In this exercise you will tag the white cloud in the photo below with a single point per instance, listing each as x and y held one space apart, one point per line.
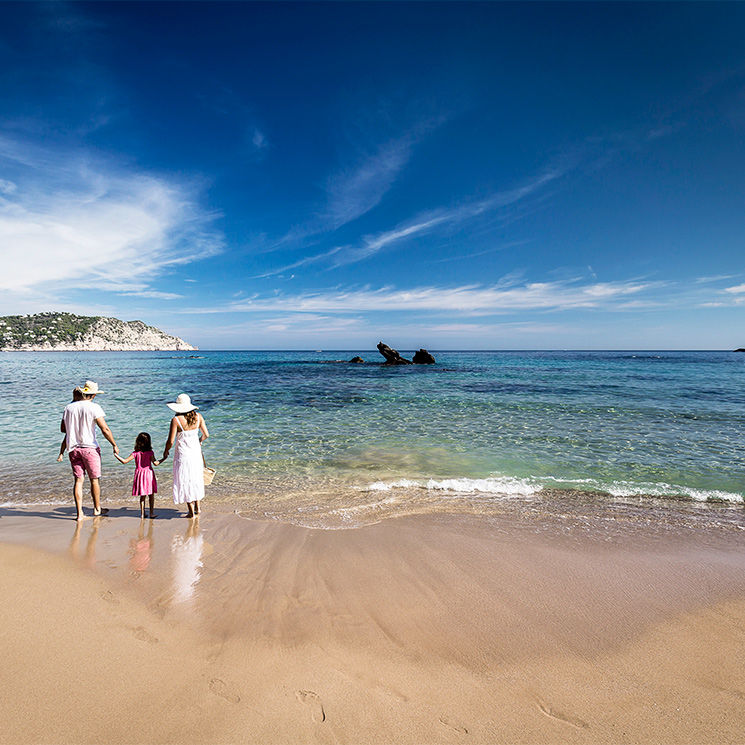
154 294
355 191
736 290
422 224
470 299
74 224
259 140
7 187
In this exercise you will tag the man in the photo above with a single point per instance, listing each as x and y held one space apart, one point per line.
79 425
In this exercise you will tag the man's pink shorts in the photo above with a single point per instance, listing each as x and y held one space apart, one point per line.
86 460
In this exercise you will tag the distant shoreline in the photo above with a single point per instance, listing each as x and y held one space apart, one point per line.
353 350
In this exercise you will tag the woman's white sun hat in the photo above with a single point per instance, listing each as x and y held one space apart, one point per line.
91 389
183 404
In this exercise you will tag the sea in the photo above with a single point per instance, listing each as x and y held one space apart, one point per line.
312 439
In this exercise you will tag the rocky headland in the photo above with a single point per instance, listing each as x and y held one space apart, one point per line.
67 332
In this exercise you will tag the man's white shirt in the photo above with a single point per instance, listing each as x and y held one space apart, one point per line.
80 424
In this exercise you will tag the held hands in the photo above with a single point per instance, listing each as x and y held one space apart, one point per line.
59 458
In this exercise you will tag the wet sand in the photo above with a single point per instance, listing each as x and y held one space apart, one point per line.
430 629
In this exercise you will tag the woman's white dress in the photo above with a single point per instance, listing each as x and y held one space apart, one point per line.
188 465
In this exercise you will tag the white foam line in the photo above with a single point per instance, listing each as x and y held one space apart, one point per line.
505 486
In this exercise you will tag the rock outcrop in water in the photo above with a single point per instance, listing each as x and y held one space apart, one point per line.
423 357
66 332
392 357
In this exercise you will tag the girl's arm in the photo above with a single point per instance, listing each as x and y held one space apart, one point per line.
154 460
171 438
203 427
122 460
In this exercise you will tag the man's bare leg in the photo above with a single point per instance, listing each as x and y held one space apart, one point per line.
96 494
77 493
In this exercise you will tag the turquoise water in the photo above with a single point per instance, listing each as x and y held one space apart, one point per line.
295 433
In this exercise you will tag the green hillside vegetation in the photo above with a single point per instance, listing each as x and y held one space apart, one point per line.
55 328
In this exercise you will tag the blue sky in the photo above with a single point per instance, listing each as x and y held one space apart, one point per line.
326 175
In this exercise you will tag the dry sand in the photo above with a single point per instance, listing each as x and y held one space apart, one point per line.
444 629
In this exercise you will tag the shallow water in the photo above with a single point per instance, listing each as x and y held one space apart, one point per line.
297 436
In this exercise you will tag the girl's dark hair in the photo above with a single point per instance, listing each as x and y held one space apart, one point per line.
143 443
191 417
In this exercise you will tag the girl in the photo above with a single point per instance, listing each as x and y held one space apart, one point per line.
144 484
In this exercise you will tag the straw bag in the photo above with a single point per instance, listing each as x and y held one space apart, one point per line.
209 474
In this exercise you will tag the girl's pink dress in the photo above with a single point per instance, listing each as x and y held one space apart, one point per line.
144 482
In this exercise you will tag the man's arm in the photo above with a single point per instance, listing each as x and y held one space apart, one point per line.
106 432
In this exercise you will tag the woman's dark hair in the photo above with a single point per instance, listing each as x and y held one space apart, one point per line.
191 418
143 443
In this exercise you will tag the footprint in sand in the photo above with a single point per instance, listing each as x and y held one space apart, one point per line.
109 597
223 690
140 633
561 717
313 701
454 724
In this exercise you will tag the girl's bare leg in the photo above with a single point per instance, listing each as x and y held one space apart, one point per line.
142 508
151 499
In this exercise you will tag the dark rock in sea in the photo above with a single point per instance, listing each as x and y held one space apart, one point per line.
357 359
423 357
392 357
740 350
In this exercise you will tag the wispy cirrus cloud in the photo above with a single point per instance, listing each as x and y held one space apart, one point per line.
73 222
356 190
423 224
506 297
428 222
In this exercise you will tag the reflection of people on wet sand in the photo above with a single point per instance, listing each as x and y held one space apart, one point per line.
141 549
79 423
187 562
89 557
188 431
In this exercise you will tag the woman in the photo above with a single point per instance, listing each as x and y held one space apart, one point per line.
188 431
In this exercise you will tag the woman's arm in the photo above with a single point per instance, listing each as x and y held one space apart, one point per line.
154 460
171 439
203 428
122 460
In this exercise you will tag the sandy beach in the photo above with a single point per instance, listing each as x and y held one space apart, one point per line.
436 629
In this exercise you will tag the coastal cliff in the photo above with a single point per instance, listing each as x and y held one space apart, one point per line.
66 332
